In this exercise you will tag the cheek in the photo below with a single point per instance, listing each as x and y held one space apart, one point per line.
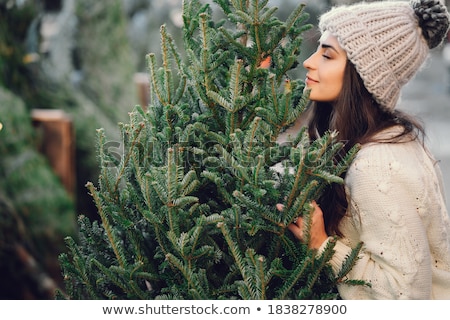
330 85
329 88
337 87
336 82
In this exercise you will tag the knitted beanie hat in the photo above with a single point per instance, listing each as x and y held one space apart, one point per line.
387 41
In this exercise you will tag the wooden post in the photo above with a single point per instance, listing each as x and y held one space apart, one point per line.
143 88
57 143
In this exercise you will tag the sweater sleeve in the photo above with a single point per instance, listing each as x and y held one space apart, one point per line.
386 188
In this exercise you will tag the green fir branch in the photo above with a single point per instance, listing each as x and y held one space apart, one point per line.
349 262
154 79
220 100
294 278
239 47
114 242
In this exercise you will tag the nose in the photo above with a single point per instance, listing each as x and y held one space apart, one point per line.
308 63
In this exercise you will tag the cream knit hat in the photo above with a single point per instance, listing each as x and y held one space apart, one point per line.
387 41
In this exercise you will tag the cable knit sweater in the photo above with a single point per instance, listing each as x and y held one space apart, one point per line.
397 209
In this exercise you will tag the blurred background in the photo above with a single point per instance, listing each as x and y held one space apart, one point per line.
69 67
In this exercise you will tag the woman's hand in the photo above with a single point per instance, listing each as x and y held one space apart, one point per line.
318 233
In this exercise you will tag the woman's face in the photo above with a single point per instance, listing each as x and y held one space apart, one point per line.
326 69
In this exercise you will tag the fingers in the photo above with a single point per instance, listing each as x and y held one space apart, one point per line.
297 228
314 204
317 212
318 233
279 207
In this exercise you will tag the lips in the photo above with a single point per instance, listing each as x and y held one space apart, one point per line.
310 80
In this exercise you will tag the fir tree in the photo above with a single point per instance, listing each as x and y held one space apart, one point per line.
188 206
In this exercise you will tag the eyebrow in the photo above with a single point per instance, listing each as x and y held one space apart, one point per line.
326 46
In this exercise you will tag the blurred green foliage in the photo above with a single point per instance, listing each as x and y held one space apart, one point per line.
35 210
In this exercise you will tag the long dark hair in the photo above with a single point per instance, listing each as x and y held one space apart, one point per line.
357 118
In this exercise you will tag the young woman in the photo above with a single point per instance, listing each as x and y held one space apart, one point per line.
392 199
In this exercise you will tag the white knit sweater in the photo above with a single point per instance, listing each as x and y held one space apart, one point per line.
397 209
